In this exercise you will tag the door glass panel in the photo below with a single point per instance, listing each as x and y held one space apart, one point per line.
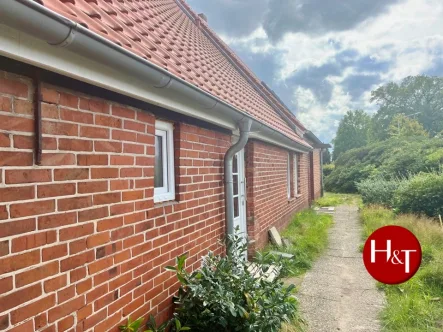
158 166
235 165
235 184
236 207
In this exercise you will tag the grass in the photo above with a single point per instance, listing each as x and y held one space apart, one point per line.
416 305
333 199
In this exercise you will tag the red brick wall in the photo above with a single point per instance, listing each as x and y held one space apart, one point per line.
317 173
267 199
82 245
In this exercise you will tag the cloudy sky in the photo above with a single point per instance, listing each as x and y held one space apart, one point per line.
323 57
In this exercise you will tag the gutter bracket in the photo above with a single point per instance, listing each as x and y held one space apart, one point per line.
69 38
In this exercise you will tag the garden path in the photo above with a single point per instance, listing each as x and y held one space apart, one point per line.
338 294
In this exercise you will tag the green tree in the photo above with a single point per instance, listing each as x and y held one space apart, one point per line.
402 126
419 95
326 157
352 132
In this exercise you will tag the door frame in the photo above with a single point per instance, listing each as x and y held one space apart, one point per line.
240 220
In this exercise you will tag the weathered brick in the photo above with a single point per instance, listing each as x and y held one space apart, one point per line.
20 261
74 203
56 283
98 239
17 227
59 128
108 224
75 261
92 214
5 285
57 220
94 132
94 105
123 112
13 158
5 141
65 324
39 273
32 309
70 174
108 121
76 231
104 173
5 104
108 198
14 87
75 144
65 294
53 190
65 309
57 159
54 252
32 208
27 176
31 241
92 159
23 107
76 116
69 100
92 187
4 248
77 246
19 297
107 146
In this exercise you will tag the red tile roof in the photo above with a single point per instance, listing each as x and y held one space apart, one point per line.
169 34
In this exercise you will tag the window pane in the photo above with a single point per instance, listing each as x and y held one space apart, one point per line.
234 166
236 209
235 184
158 166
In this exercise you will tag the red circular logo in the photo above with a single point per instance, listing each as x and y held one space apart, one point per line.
392 255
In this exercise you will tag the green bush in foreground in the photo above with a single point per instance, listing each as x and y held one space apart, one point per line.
226 294
378 191
421 194
416 305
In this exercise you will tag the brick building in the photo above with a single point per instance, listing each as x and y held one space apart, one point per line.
116 118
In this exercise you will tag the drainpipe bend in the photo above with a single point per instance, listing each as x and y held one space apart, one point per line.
245 127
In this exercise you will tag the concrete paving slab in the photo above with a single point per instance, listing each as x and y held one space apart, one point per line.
338 294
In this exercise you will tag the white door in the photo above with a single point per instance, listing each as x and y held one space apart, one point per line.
238 169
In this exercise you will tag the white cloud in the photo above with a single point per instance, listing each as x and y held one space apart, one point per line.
405 40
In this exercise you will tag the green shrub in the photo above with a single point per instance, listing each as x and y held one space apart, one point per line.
378 191
421 194
226 295
327 169
389 159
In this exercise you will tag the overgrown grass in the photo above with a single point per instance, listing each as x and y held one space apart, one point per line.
416 305
308 233
333 199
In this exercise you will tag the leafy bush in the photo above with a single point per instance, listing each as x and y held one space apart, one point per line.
227 294
378 191
421 194
327 169
134 326
390 159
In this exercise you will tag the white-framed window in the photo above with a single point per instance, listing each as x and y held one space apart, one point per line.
295 168
164 184
289 177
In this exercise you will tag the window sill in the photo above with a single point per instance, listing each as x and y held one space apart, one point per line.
294 198
165 203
